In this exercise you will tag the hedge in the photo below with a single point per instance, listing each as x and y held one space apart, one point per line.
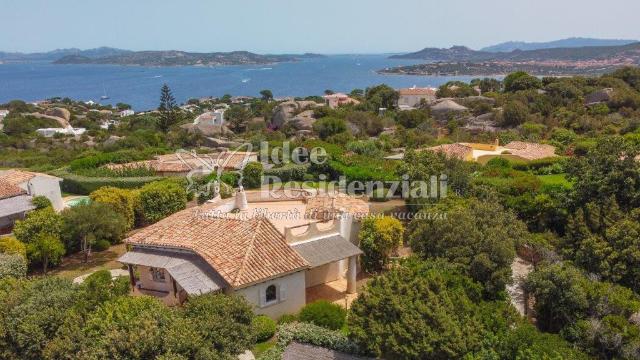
84 185
289 172
118 157
537 164
161 199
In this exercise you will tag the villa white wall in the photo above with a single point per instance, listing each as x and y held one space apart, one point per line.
292 289
147 282
325 273
46 186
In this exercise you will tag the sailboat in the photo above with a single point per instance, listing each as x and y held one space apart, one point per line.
105 96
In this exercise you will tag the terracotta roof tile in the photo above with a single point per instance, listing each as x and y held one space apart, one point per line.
186 162
242 251
16 177
531 151
8 190
456 150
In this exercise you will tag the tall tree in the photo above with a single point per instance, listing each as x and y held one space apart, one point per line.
479 236
238 117
266 95
167 108
46 249
86 224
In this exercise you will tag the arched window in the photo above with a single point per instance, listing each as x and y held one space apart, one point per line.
271 294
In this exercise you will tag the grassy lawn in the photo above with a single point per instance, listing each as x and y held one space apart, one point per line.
556 179
73 266
260 348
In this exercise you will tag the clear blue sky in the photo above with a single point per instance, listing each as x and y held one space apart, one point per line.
325 26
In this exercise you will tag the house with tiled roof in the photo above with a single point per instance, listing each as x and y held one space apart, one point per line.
413 97
14 204
266 248
35 184
339 99
516 150
181 163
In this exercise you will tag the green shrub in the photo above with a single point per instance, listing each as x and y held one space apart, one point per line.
11 245
12 265
499 162
329 126
289 172
379 239
40 202
325 314
101 245
122 201
252 175
161 199
230 178
264 327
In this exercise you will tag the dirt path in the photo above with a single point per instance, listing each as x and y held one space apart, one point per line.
520 269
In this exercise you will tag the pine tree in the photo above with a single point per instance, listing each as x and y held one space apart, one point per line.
167 108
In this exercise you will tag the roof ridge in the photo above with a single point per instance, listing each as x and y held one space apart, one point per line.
248 253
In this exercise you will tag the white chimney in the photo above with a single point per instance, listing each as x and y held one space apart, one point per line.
241 199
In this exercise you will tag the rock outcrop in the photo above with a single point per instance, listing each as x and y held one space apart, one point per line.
59 112
303 121
286 111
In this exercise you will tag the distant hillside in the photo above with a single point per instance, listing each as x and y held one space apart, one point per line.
455 53
59 53
564 43
463 54
182 58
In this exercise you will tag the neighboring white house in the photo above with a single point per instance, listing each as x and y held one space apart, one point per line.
269 249
126 112
14 204
215 117
36 184
413 97
50 132
106 124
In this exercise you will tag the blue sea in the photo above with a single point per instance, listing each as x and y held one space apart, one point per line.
140 86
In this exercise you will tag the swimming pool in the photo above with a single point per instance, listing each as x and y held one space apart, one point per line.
79 200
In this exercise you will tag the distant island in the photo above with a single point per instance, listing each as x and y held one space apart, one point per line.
113 56
460 60
182 58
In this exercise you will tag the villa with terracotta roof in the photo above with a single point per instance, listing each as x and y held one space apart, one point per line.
517 150
339 99
35 184
410 98
180 164
268 247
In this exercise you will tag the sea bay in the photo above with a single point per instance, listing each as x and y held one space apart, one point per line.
140 86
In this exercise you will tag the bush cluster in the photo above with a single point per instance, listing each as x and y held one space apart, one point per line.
325 314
